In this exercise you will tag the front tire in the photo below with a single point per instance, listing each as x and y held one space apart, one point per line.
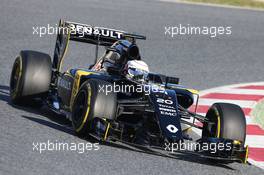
91 103
227 121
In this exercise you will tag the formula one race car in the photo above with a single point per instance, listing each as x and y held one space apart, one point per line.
118 99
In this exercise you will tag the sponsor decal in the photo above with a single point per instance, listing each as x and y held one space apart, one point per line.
165 108
172 128
64 84
83 30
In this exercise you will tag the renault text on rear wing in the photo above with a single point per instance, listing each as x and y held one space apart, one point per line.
97 35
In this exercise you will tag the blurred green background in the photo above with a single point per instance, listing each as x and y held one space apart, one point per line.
242 3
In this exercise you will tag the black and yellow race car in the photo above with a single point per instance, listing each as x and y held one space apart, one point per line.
154 114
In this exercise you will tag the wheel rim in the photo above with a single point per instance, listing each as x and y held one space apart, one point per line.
79 107
15 77
214 127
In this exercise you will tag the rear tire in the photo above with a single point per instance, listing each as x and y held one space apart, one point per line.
92 103
30 77
228 122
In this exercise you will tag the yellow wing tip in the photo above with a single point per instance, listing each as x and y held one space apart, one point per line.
194 91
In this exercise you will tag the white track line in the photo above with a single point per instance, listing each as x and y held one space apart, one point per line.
241 103
241 91
256 163
256 141
207 91
248 119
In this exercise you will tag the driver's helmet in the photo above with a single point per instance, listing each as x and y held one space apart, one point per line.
136 70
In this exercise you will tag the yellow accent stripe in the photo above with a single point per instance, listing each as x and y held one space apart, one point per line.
65 50
194 91
76 84
87 111
246 156
106 132
218 127
187 129
69 75
20 72
236 142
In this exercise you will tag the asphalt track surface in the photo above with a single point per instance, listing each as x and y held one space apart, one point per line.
200 62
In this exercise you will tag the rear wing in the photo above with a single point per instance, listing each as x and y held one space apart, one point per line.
99 36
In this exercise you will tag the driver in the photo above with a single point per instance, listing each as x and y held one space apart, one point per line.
136 70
